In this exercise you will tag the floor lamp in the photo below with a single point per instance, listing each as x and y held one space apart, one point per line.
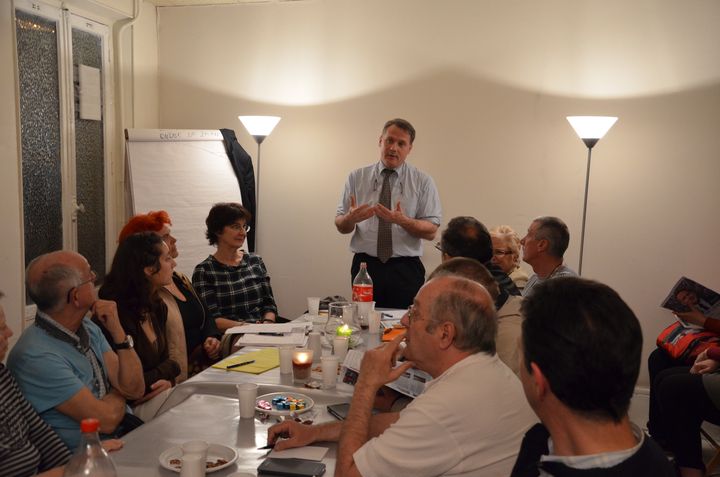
590 129
259 128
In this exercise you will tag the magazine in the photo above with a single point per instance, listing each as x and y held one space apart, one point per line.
688 293
411 383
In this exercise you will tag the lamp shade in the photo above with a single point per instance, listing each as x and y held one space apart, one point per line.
591 127
259 125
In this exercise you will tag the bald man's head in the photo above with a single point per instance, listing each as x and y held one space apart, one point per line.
466 304
50 277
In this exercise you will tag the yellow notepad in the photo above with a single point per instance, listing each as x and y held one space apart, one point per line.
264 360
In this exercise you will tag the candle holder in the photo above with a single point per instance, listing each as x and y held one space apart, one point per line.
301 364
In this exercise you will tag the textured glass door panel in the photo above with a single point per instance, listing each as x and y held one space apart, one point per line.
87 50
40 133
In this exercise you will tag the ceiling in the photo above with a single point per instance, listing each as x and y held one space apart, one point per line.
180 3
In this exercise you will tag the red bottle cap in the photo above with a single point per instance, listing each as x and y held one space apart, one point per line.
89 425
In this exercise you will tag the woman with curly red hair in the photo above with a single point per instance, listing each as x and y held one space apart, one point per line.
192 335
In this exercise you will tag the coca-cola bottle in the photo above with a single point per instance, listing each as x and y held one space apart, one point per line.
363 296
90 458
362 285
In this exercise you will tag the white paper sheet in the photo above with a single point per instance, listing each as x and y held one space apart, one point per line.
90 93
296 339
307 452
269 328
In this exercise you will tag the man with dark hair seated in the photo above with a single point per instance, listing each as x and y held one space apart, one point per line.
468 238
581 348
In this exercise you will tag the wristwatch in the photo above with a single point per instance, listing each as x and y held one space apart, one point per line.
127 344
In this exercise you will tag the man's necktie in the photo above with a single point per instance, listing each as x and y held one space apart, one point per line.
384 240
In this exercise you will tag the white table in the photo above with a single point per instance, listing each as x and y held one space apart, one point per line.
206 407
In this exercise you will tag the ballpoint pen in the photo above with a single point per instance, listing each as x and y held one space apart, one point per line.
240 364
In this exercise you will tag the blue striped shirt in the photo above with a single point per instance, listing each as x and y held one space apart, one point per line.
418 197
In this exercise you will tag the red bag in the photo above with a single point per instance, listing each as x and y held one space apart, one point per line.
685 344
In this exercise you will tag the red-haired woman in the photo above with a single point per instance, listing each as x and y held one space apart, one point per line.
193 338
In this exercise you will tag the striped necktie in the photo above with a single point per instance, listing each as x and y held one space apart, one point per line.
384 240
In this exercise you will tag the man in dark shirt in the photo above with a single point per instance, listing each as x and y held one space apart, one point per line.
581 348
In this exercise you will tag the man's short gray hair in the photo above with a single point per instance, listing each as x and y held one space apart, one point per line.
49 291
475 321
555 232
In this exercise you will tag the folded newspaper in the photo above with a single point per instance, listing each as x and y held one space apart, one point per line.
411 383
688 293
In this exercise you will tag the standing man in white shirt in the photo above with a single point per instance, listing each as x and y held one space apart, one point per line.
390 207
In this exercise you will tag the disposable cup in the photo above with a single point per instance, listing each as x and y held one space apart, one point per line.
247 394
364 309
374 323
193 465
195 447
340 347
329 371
286 353
315 344
313 304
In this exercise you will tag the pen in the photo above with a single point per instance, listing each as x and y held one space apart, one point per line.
271 334
283 435
240 364
386 314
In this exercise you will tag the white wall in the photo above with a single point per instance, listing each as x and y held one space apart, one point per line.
487 85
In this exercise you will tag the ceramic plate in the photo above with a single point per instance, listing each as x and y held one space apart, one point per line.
276 412
215 452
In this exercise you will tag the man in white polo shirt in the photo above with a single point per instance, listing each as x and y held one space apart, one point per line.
471 417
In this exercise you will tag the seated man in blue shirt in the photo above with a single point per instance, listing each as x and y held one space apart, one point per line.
63 363
581 347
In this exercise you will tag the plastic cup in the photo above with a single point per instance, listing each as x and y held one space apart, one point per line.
340 347
315 344
193 465
195 447
247 394
313 304
374 322
364 309
329 371
286 353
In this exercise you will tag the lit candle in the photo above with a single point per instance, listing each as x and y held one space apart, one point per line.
302 361
343 330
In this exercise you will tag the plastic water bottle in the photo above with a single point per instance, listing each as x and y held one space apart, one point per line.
362 285
90 459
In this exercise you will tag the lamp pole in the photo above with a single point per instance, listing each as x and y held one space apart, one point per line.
590 129
589 145
259 128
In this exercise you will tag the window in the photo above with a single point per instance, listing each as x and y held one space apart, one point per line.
64 85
